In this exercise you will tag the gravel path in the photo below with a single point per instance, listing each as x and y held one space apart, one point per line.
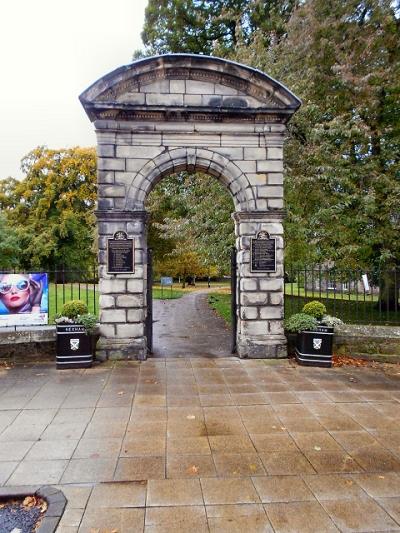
17 518
188 326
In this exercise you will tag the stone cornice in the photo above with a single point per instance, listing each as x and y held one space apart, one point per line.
127 112
264 216
119 216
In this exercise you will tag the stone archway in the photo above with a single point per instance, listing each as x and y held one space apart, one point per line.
168 113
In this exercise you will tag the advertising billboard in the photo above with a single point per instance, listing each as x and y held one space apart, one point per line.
24 299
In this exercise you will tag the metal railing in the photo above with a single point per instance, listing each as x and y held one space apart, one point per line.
355 296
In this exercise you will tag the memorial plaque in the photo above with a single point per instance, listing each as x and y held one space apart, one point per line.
120 254
263 253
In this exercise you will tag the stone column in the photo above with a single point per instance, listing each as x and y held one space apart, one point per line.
122 298
261 294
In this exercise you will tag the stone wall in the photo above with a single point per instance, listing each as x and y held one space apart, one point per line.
377 343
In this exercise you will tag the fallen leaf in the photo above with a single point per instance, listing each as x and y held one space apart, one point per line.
43 506
29 501
193 469
253 467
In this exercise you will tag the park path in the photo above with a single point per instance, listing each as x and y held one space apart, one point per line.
187 326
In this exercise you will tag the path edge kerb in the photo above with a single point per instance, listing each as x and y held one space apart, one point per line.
55 499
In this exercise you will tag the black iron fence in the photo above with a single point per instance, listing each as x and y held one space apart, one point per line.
363 297
357 297
64 284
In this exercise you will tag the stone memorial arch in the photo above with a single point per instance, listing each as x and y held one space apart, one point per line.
164 114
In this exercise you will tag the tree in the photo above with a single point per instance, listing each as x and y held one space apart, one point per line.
212 27
9 246
182 263
52 208
342 156
192 212
343 172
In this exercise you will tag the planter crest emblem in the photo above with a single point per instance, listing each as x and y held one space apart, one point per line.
317 343
74 344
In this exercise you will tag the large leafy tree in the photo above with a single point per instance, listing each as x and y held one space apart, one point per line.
342 155
343 172
212 26
9 245
51 209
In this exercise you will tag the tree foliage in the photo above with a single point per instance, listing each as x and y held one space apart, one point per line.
191 214
212 27
342 183
9 245
51 209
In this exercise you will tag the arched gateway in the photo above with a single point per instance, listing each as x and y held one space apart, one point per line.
178 112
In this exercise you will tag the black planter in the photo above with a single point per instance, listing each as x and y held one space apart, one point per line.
74 347
314 348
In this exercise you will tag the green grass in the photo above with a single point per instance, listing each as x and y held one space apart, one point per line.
60 294
293 289
350 311
221 303
166 293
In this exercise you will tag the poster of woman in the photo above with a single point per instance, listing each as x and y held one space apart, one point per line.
24 299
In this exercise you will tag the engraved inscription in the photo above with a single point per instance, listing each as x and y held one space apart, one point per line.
263 254
120 254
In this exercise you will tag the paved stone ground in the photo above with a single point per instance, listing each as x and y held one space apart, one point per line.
200 444
189 321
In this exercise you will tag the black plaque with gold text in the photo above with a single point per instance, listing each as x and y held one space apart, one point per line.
120 254
263 253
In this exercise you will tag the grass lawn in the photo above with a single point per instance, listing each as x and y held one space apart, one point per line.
353 311
167 293
293 289
59 294
221 303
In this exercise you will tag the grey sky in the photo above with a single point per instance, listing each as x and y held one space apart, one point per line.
50 51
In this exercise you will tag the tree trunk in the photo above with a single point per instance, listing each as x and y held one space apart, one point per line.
389 291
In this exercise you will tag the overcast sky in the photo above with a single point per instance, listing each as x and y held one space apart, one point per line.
51 51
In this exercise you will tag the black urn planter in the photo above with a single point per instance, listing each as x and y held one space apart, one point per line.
314 348
75 347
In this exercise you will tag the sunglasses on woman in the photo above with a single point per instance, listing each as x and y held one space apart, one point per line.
20 285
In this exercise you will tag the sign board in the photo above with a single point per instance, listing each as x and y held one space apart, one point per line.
24 299
365 281
263 253
166 281
120 254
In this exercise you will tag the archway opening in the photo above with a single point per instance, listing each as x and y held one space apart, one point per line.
191 235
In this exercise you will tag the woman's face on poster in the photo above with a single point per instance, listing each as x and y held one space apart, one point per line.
14 291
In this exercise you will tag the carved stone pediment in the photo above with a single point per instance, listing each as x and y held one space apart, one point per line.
177 85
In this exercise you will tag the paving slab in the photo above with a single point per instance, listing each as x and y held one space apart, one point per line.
207 444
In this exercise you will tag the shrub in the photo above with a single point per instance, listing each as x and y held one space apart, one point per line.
300 322
331 321
74 308
89 321
315 309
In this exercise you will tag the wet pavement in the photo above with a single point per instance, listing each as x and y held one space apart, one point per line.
188 327
221 445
